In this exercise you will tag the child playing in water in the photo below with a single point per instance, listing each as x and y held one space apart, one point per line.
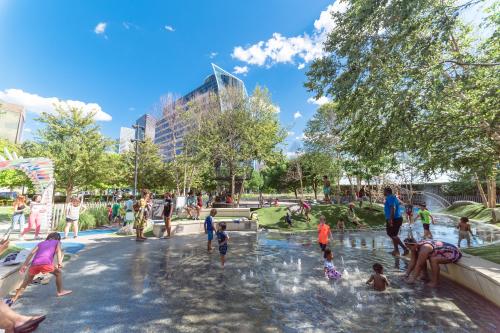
464 231
425 215
340 225
288 218
323 233
222 237
305 209
209 228
43 262
379 280
330 272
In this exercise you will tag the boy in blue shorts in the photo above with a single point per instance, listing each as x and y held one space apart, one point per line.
210 228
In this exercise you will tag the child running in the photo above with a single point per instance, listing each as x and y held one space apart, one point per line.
379 280
209 228
43 262
464 230
330 272
222 237
72 216
37 208
323 233
425 215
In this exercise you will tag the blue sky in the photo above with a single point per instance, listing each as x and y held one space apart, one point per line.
144 49
120 56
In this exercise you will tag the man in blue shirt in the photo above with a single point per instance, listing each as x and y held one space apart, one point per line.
209 228
394 220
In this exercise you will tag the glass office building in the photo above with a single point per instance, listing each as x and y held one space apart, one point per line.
11 122
170 131
126 135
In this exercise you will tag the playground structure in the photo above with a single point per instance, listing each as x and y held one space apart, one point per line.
41 173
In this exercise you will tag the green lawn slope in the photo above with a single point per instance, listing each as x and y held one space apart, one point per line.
490 252
472 211
274 217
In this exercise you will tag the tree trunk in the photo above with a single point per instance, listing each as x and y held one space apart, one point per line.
241 191
233 183
481 191
358 183
338 190
295 190
299 171
69 190
185 181
492 191
353 192
315 189
369 192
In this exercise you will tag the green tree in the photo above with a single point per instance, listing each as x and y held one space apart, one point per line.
13 178
407 77
73 140
256 181
314 166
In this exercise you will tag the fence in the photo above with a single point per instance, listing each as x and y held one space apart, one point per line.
59 211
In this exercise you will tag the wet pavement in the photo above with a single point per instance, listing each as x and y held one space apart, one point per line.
272 283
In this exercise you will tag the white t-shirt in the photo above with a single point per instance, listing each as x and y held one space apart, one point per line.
73 212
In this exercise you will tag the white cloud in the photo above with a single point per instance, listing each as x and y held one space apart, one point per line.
100 28
38 104
212 55
320 101
297 115
169 28
290 133
291 154
277 108
130 25
131 108
240 70
282 49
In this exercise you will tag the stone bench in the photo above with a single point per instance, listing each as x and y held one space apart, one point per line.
187 227
221 212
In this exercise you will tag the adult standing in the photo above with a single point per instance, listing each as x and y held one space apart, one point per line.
18 215
394 220
143 209
129 210
327 190
168 209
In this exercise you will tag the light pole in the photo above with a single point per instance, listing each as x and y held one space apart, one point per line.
136 142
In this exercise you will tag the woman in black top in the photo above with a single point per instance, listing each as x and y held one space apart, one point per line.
168 209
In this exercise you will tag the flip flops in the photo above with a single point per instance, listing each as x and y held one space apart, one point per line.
30 325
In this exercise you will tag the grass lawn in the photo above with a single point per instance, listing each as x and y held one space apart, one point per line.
5 213
472 211
274 217
10 249
490 252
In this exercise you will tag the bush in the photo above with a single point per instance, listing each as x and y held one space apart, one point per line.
89 219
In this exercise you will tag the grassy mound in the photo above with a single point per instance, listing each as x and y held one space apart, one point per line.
490 252
472 211
274 217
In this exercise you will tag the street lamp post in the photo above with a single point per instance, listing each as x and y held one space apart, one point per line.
136 141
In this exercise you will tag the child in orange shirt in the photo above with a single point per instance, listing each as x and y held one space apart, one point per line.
323 233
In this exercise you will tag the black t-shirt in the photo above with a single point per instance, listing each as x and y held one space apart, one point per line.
167 206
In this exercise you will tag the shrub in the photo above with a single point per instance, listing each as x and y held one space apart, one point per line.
89 219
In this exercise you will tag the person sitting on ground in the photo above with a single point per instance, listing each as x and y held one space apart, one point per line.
351 216
425 215
229 199
437 252
191 207
340 225
330 272
378 278
276 202
464 230
43 262
209 226
305 209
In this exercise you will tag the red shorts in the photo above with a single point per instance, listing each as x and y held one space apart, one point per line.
44 269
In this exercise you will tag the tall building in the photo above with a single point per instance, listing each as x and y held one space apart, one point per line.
169 132
126 135
11 122
148 122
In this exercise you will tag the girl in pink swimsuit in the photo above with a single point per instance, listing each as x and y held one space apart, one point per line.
305 209
43 262
35 219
